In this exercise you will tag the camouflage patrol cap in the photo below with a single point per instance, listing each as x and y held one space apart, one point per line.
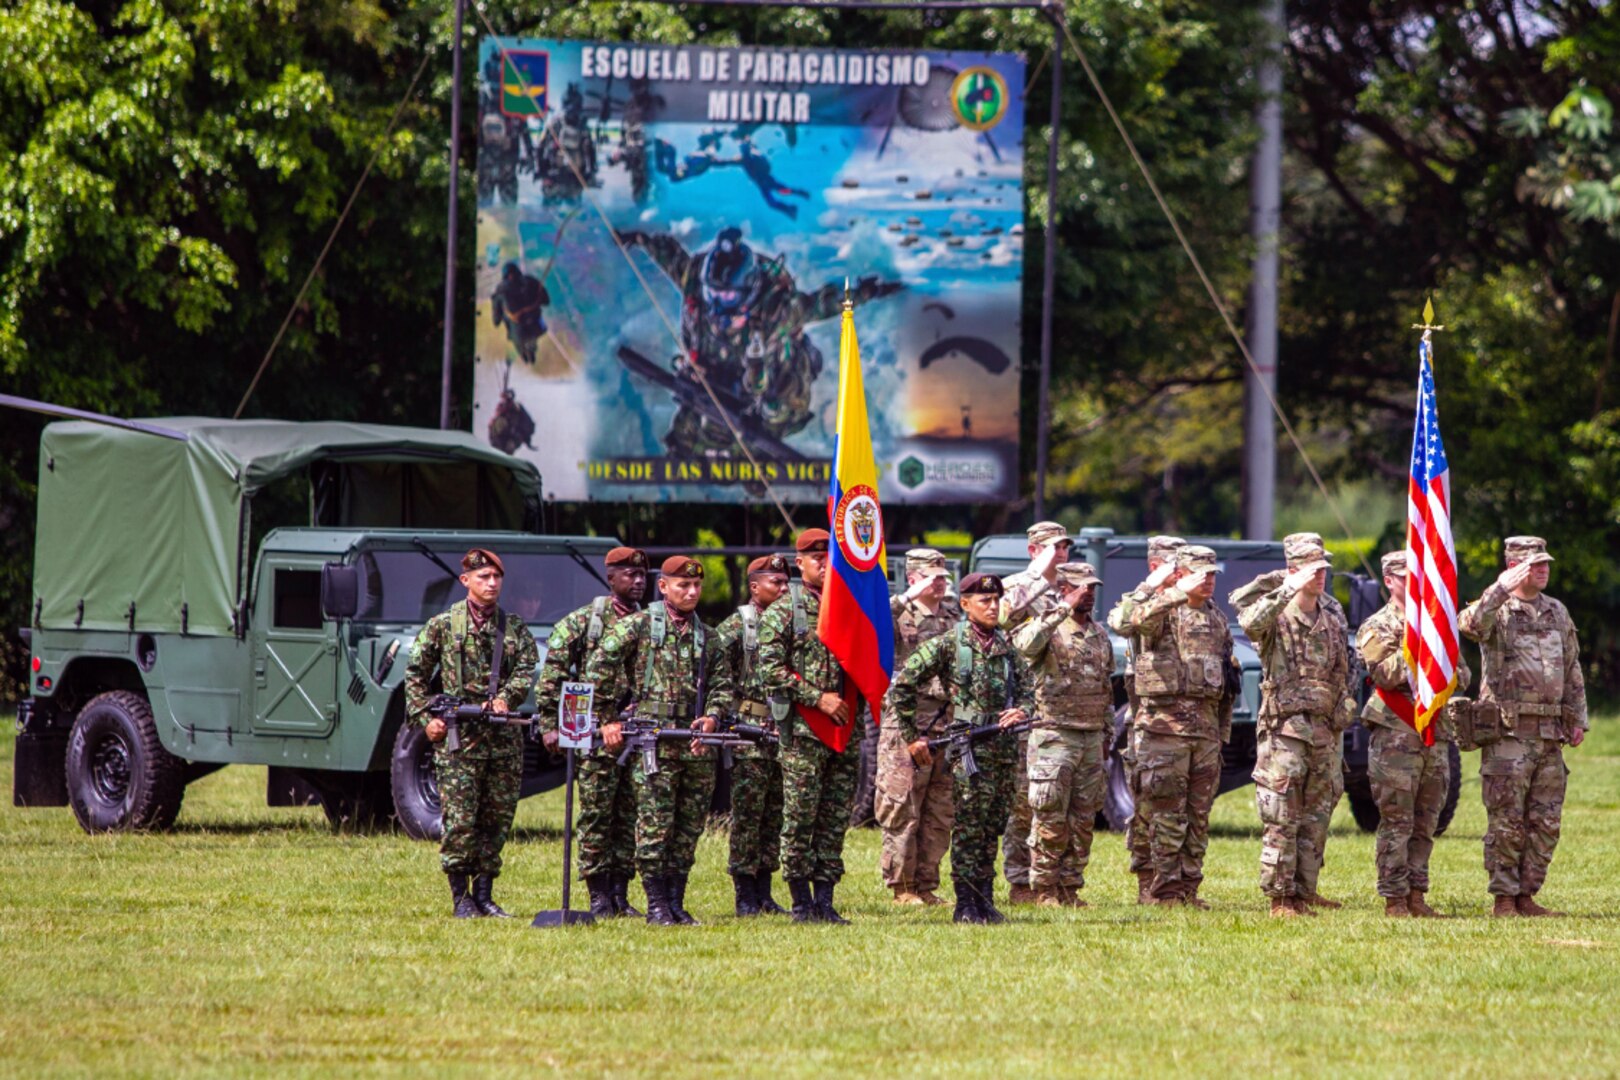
681 566
1078 574
1301 549
926 562
628 557
1197 559
1047 532
1394 564
1164 547
812 540
767 564
1517 549
479 558
981 585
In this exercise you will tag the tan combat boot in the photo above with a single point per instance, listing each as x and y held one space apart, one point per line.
1282 907
1527 906
905 895
1070 896
1189 897
1020 894
1421 908
1321 901
1301 907
1048 896
1144 886
930 898
1505 907
1398 907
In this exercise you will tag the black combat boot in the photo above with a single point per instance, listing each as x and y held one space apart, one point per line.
986 889
658 913
967 903
824 904
601 890
804 905
465 907
482 885
762 893
677 900
747 897
621 897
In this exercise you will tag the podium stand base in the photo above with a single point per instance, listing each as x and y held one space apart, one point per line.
563 918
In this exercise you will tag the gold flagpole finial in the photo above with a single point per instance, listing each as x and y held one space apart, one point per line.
1427 325
849 305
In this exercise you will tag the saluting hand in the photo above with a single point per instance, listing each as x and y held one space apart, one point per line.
1515 575
1159 577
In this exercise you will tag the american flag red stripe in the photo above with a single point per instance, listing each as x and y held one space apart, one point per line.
1430 642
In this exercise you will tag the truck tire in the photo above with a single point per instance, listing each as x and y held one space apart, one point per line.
1358 789
416 794
1118 802
361 803
1448 809
119 777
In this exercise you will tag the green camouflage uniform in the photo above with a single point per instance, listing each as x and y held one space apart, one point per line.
661 679
1532 671
1305 706
1184 716
605 827
756 771
1073 662
1027 596
1409 779
982 804
915 806
818 783
478 784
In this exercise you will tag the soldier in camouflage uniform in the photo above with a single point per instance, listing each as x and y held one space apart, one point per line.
672 669
756 772
1184 647
1073 662
987 682
1161 564
1305 705
914 805
818 782
1532 674
1409 778
478 784
606 826
1029 593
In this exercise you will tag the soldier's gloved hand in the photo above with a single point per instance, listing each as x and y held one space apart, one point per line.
1157 579
921 756
1012 717
434 730
613 735
835 707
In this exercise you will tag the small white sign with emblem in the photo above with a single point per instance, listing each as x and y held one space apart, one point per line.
576 715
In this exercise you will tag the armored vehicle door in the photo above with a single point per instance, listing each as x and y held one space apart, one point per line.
294 653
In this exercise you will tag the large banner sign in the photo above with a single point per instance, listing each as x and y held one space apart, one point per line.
744 186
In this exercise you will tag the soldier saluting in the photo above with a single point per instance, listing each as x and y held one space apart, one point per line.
669 665
987 682
756 772
1531 658
481 656
606 824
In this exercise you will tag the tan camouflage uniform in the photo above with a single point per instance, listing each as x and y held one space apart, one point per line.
1532 671
1073 662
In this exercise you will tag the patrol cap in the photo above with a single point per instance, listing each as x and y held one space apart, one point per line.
634 558
1394 564
1047 532
767 564
927 562
1196 559
1078 574
1301 549
479 558
1164 547
681 566
811 540
1519 549
980 585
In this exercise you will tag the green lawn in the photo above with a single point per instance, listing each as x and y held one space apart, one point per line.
252 939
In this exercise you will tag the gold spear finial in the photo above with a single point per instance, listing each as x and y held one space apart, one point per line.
849 305
1427 325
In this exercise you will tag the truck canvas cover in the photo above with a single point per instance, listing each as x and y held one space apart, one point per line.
159 518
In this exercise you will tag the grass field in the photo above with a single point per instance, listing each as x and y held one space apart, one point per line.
254 940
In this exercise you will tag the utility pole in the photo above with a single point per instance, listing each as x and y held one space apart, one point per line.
450 237
1265 193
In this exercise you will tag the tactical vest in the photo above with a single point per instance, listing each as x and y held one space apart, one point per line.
657 631
1307 687
458 635
1192 666
962 681
1521 645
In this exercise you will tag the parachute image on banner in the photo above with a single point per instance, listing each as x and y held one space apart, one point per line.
743 187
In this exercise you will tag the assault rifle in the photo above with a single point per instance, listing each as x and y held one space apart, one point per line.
958 740
453 711
642 735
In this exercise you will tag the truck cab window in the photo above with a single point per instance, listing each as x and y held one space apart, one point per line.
298 600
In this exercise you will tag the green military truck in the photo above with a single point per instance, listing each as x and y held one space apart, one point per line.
175 630
1121 561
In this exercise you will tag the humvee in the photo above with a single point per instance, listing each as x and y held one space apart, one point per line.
168 638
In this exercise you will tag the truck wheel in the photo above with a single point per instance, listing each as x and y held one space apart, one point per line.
363 803
119 777
416 794
1363 807
1118 802
1449 808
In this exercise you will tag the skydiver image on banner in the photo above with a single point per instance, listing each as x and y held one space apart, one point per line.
657 299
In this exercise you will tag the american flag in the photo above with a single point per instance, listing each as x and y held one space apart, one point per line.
1430 643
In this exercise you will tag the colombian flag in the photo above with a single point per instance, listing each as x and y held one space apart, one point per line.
855 623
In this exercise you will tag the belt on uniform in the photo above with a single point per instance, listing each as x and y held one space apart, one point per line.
1532 709
757 709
